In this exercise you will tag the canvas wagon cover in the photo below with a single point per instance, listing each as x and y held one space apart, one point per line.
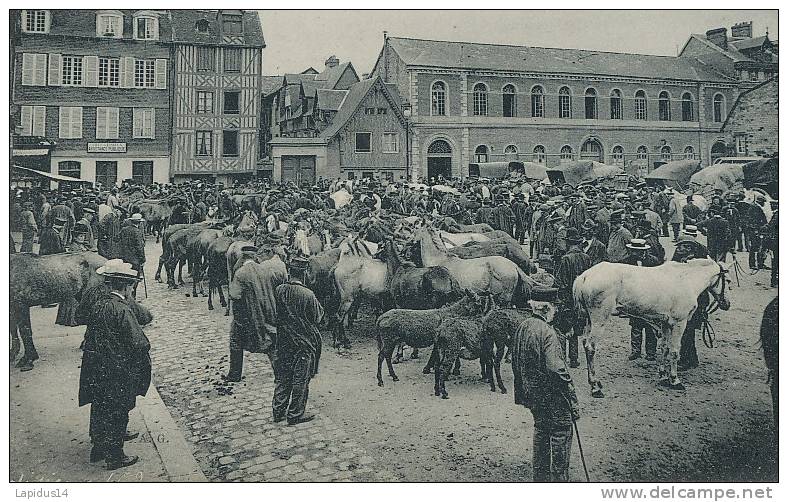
762 173
719 176
675 174
577 172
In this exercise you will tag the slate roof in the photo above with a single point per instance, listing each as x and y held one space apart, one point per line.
749 43
184 27
329 77
477 56
355 95
330 99
271 84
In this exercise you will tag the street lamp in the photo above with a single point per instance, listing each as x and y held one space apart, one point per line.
406 112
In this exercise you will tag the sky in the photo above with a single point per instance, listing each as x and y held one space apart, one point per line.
296 40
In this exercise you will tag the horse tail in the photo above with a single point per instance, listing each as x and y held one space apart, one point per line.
522 292
580 299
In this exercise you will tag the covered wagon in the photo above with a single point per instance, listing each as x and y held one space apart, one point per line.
724 177
675 174
494 170
762 174
583 171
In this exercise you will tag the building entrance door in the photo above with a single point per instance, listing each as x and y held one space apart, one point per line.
299 169
439 159
592 150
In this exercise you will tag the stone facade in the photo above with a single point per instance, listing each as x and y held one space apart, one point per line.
753 125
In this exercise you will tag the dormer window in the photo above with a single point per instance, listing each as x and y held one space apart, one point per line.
232 24
109 24
35 21
146 26
202 26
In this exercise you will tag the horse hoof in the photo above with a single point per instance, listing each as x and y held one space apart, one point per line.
394 379
396 360
597 393
677 386
426 371
503 391
444 396
380 384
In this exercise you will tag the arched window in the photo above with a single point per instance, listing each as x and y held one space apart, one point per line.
617 155
510 150
439 147
70 168
615 105
109 24
719 107
509 101
566 153
539 156
480 155
146 26
591 108
665 153
687 113
640 106
564 103
537 101
480 100
664 105
642 153
689 153
438 98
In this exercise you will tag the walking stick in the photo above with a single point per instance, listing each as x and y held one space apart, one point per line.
579 444
144 282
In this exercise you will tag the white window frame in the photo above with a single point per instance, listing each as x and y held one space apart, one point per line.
355 142
75 75
616 95
37 23
538 99
540 157
617 155
445 96
151 27
105 20
145 69
642 153
641 113
141 130
666 153
107 69
208 135
689 152
207 101
565 113
481 99
110 121
387 143
70 122
567 153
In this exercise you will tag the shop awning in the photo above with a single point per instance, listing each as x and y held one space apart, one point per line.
52 176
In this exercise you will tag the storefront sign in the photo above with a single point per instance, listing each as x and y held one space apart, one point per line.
106 147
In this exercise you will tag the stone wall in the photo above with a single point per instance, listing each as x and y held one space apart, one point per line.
755 118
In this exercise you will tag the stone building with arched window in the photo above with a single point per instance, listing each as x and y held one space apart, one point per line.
551 104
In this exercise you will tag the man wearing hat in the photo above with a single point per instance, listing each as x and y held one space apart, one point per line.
62 212
675 216
116 366
717 232
619 238
543 385
645 231
484 213
572 264
29 227
592 246
502 217
640 256
689 248
521 217
661 206
298 345
252 291
754 222
131 244
83 231
50 241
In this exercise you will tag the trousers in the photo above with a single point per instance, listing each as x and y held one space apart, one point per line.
519 233
292 373
108 423
636 335
552 449
754 244
676 229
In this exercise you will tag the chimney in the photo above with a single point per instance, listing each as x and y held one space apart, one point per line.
719 37
332 62
742 30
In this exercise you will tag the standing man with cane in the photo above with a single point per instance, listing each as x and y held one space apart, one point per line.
542 384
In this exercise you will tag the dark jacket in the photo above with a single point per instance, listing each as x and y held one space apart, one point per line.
595 250
298 313
131 246
50 242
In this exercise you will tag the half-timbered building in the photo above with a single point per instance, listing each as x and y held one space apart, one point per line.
217 62
94 86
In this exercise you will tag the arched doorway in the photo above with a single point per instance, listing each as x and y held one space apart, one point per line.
592 150
718 149
439 159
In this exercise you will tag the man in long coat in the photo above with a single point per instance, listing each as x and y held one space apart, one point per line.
50 241
520 210
64 213
572 264
131 245
116 366
108 230
252 292
298 346
543 385
619 238
592 246
502 217
687 249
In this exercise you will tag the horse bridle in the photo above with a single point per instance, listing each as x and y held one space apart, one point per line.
720 280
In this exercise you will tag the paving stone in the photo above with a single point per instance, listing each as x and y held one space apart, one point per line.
226 460
293 469
235 475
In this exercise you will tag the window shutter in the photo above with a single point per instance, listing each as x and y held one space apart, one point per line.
76 122
136 123
55 69
27 120
64 122
39 120
101 122
112 123
161 74
41 70
127 72
28 67
91 71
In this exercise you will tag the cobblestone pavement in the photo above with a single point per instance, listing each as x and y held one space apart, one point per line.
230 425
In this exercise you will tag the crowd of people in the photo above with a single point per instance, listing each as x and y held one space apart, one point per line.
567 231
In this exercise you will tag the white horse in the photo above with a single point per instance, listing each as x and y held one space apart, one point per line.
664 296
460 239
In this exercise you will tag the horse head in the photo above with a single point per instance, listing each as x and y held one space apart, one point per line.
720 282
